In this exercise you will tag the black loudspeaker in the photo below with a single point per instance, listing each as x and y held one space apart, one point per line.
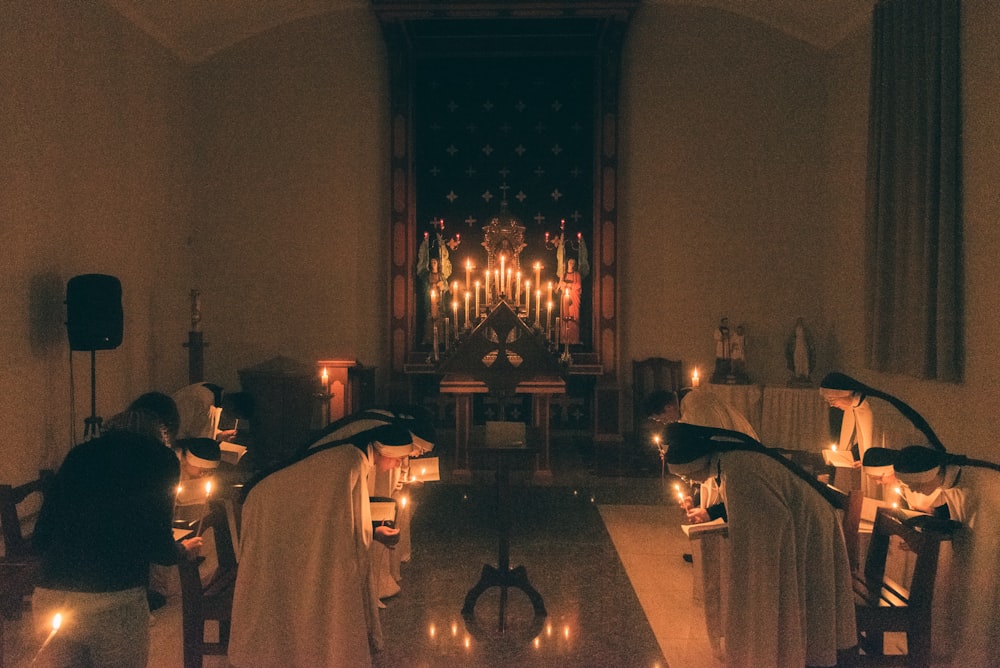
94 312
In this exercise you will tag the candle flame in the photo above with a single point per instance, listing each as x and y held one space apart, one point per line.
208 487
56 621
833 446
402 502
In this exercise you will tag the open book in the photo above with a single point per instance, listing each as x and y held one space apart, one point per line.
424 469
841 458
232 452
383 512
715 527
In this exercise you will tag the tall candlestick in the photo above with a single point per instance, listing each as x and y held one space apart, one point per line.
548 321
467 322
503 272
468 273
549 298
435 342
538 308
444 339
486 290
517 292
434 304
454 311
527 301
507 284
477 300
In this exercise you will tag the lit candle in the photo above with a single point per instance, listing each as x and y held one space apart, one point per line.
434 304
467 323
517 292
56 623
694 378
325 378
527 300
402 502
468 274
454 289
454 311
538 308
503 260
477 300
177 496
506 285
548 321
208 493
486 289
833 446
550 291
538 274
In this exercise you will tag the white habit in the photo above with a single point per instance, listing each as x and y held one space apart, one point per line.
790 597
304 596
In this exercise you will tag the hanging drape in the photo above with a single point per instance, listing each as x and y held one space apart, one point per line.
913 228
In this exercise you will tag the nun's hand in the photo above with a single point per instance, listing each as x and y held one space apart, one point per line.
697 515
387 536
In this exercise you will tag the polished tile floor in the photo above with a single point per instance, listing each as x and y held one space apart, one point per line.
603 549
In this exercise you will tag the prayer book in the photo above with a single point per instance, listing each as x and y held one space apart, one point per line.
841 458
384 512
181 534
424 469
232 452
700 530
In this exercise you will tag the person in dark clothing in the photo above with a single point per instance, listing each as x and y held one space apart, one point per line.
106 517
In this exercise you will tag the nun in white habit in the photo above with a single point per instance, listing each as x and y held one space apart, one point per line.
971 489
791 602
304 593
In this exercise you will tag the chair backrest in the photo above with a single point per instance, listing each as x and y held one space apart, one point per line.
652 373
885 605
211 601
850 504
16 542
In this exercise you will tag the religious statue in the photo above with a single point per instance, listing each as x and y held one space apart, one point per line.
800 355
571 289
571 273
433 271
723 352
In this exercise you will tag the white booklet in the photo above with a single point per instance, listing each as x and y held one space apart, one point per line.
841 458
424 469
383 511
702 529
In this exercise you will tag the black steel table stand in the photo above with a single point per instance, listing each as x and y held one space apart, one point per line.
503 575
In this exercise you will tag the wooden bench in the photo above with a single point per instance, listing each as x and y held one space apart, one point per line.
883 605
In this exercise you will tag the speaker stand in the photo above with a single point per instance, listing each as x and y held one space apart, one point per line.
92 424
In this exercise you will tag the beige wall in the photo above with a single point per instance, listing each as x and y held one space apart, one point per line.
95 160
260 178
291 205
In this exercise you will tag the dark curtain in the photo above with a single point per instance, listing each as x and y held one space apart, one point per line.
913 241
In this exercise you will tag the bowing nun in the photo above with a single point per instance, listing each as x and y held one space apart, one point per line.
971 489
791 602
304 593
